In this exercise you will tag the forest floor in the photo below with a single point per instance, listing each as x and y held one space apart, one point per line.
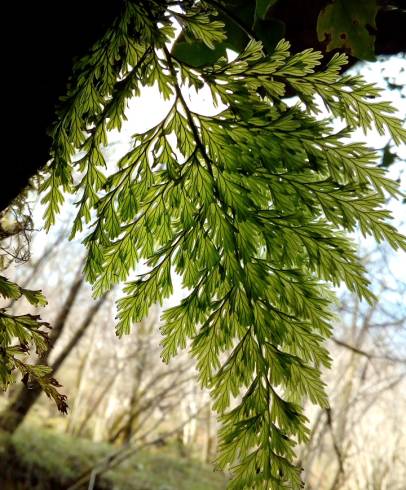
41 459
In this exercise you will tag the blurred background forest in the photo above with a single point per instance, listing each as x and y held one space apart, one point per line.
136 423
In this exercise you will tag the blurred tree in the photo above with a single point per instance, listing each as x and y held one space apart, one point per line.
366 389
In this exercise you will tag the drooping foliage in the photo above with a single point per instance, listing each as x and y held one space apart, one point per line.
17 332
250 207
20 332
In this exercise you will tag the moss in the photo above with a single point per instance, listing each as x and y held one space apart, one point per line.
41 459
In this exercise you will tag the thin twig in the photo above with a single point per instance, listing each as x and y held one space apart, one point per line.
366 354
